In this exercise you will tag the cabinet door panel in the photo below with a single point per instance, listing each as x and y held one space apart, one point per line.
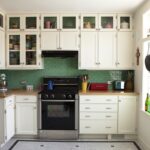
69 40
127 114
107 49
26 119
125 50
89 51
49 40
2 50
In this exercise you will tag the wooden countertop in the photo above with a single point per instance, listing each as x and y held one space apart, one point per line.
18 92
108 93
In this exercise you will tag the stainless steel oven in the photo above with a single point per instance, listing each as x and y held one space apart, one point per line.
58 112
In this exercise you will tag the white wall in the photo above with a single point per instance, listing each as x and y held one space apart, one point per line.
143 118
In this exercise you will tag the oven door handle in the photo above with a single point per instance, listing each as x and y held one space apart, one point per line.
58 100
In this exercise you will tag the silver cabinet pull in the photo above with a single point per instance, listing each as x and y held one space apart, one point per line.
87 108
26 99
87 100
87 116
87 127
107 127
108 100
108 116
108 108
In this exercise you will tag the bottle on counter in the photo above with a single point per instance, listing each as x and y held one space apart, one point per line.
147 102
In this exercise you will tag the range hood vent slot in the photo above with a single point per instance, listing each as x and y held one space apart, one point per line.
59 53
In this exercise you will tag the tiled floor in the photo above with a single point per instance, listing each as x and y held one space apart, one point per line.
81 145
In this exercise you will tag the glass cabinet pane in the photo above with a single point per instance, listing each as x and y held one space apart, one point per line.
1 21
14 42
89 22
30 42
31 58
69 22
107 22
125 22
31 22
14 58
50 23
14 23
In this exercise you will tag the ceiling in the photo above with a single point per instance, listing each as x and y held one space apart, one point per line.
70 5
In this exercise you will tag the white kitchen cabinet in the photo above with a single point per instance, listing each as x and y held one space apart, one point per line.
98 114
2 49
59 32
7 119
127 114
2 21
124 50
23 51
23 22
26 115
98 50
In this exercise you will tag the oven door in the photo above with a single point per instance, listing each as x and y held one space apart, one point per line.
58 114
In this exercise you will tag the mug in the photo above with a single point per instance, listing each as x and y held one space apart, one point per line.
50 85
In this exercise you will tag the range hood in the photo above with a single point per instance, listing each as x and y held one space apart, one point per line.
57 53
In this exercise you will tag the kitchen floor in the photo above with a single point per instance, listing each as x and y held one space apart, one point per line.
69 145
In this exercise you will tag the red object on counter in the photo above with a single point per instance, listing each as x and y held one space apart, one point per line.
99 86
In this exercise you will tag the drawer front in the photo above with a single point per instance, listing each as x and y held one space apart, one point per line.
92 115
98 127
98 99
98 107
26 99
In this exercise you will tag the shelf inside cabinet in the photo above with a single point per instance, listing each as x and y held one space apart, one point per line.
69 22
14 23
14 58
31 58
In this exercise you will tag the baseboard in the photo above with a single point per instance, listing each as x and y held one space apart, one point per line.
142 144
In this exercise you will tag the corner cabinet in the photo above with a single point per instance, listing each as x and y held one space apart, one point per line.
26 115
59 32
2 49
127 114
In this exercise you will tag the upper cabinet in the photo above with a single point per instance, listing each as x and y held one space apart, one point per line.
2 21
124 22
56 22
60 32
95 22
2 49
23 22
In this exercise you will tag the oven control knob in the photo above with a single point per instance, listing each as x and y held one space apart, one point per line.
52 96
69 96
64 96
46 96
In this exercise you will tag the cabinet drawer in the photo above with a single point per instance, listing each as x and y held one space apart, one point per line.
93 115
26 99
98 107
98 127
98 99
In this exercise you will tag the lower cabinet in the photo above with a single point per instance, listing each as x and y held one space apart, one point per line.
105 114
98 114
127 114
26 115
7 119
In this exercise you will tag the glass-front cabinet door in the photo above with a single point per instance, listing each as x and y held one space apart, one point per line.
69 22
107 22
89 22
50 22
1 21
23 22
31 49
124 22
14 50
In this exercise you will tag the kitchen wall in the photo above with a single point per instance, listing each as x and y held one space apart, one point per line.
59 67
143 118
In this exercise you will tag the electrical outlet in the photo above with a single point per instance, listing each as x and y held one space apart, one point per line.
109 82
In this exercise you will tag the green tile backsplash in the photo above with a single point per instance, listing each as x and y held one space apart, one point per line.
58 67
